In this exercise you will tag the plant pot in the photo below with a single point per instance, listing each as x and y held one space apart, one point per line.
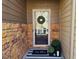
51 54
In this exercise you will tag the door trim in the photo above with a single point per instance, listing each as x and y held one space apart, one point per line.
34 10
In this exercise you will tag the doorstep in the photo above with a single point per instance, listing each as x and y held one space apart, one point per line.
29 55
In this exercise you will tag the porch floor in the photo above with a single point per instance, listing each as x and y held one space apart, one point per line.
29 55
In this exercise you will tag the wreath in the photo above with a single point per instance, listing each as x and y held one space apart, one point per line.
40 19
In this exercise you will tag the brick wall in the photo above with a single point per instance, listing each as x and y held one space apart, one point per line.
14 29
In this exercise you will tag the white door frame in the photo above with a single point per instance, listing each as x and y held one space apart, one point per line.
33 11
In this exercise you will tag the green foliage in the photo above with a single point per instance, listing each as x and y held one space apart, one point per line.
56 44
51 50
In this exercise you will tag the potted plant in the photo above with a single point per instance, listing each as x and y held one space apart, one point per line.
57 46
51 51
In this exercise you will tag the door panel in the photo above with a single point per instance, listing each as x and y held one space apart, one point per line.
41 26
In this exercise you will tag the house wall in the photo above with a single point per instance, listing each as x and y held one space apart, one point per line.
43 4
14 29
17 35
67 27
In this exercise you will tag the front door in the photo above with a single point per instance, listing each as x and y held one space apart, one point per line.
41 27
